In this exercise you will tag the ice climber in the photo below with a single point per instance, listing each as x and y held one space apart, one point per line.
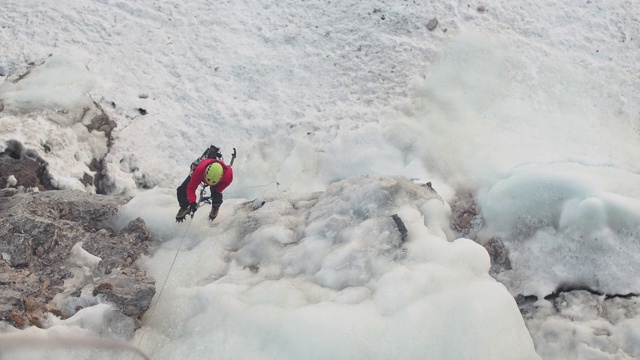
211 171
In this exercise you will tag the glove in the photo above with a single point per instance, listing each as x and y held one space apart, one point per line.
193 207
214 212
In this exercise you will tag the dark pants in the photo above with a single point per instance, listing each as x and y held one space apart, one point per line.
183 200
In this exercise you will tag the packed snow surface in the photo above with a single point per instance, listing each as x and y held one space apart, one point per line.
341 112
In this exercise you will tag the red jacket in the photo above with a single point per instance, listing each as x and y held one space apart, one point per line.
197 177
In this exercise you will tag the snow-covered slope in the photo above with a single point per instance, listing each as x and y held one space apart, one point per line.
531 106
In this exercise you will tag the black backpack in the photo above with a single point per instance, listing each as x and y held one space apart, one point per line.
213 152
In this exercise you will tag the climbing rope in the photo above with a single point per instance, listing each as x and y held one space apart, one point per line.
259 186
203 200
153 308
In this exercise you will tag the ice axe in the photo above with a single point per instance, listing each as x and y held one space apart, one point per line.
233 157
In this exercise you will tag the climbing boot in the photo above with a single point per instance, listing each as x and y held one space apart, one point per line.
182 214
214 212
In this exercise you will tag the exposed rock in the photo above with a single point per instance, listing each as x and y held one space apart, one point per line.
132 295
465 216
99 180
467 221
54 244
499 256
596 315
101 122
525 301
432 24
401 227
111 250
24 171
93 117
79 208
29 169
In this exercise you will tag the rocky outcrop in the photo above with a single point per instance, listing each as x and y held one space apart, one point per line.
20 167
465 216
59 254
467 221
499 256
29 169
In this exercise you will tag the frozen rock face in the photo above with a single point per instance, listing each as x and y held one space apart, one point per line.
53 142
576 320
59 254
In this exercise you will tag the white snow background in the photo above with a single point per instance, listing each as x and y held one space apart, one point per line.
339 110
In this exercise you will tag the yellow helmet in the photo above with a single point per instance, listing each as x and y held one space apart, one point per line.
213 173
